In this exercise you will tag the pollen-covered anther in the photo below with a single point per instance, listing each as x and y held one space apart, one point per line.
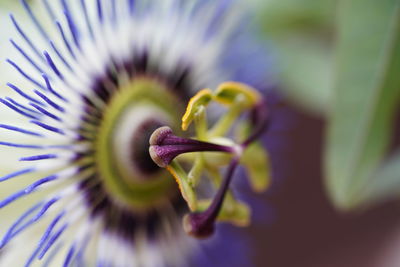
244 149
165 146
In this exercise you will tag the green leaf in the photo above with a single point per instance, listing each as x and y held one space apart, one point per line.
306 64
385 182
301 32
279 16
366 88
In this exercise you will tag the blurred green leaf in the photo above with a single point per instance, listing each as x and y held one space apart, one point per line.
366 88
290 16
385 182
302 32
306 65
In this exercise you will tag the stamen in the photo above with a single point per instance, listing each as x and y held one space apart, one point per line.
165 146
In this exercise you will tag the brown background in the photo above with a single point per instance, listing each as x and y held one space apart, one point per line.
307 231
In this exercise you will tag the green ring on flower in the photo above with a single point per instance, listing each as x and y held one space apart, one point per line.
131 190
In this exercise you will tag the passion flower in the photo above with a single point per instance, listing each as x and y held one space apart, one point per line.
104 76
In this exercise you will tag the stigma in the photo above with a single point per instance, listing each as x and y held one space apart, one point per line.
212 150
165 146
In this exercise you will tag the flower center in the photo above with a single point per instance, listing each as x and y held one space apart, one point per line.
166 147
125 167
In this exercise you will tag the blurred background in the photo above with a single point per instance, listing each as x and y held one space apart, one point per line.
334 198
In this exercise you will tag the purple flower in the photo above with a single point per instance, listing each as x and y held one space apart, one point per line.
103 76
